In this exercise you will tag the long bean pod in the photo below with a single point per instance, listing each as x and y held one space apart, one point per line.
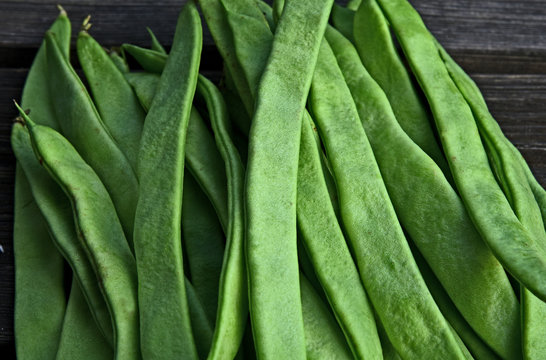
166 334
513 245
99 230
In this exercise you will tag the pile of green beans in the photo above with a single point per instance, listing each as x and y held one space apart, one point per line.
342 193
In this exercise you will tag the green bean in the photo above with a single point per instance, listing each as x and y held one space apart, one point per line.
56 210
39 294
150 60
513 181
98 229
379 55
203 241
156 45
330 255
200 322
144 85
215 16
166 334
82 126
510 241
116 102
202 156
233 302
389 352
432 213
274 295
237 111
353 4
343 20
475 344
119 61
268 14
278 7
81 338
323 337
391 278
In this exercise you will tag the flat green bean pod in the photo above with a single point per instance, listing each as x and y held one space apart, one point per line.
99 230
156 45
150 60
513 245
57 212
81 338
119 61
81 124
232 301
200 322
432 213
166 334
39 292
274 294
514 182
203 243
412 320
116 102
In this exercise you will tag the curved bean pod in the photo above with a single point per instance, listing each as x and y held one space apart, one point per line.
116 102
56 210
82 126
233 301
432 213
166 334
514 246
98 229
387 269
156 45
150 60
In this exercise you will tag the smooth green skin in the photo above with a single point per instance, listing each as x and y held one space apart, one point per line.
155 44
39 292
271 181
268 14
379 55
81 338
164 316
475 344
513 245
57 212
204 243
202 157
323 337
81 124
114 98
201 324
99 230
432 213
513 180
119 62
278 7
388 271
232 301
149 60
343 21
353 4
217 23
325 244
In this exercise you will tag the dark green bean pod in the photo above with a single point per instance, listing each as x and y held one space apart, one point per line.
513 180
388 271
119 61
232 301
114 98
204 244
150 60
39 303
99 230
56 210
81 338
343 20
81 124
155 44
513 244
200 322
271 181
166 334
144 85
432 213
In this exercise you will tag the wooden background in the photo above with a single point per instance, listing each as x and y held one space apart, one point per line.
501 43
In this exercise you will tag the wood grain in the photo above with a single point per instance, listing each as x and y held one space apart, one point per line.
501 43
